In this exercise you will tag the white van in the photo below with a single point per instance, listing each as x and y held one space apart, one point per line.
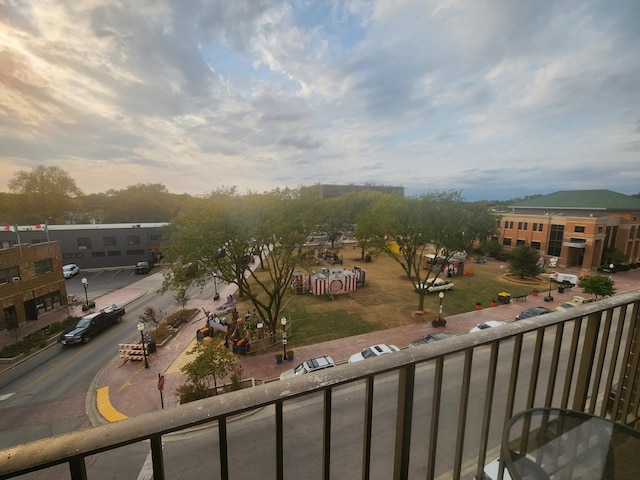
565 278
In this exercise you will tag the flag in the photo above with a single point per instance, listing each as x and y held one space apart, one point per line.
11 228
42 227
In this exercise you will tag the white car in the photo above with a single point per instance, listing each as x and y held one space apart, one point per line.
485 325
373 351
435 285
309 366
70 270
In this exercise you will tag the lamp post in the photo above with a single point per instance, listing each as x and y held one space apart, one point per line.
144 350
611 266
216 295
283 321
549 298
85 284
441 321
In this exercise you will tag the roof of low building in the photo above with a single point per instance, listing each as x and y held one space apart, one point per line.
583 199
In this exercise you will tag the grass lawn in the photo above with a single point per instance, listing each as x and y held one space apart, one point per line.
389 300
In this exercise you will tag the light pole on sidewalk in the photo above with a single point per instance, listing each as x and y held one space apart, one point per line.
216 295
144 350
85 284
283 321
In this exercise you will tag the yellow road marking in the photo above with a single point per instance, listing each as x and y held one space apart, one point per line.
108 412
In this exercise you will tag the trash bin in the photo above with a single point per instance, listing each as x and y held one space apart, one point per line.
504 298
151 346
535 292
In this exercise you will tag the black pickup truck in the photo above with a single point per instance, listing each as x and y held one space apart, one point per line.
91 324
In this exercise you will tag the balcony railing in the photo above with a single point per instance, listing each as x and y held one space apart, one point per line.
431 412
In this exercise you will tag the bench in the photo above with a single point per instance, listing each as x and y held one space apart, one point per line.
520 298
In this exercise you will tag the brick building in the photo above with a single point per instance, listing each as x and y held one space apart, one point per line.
31 282
575 227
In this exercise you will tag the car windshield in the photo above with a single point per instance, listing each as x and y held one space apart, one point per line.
368 353
482 326
301 369
84 322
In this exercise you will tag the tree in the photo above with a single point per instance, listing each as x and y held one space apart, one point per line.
441 223
224 233
213 362
43 195
597 285
523 261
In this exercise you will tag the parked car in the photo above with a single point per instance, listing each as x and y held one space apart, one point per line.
92 324
144 267
70 270
430 338
309 366
487 324
533 312
435 285
373 351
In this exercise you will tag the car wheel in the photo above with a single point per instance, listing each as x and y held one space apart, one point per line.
86 339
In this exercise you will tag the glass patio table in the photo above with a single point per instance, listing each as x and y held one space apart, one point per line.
553 443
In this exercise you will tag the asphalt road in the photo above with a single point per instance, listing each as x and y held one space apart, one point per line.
47 394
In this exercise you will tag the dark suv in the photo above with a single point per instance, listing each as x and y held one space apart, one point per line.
144 267
92 324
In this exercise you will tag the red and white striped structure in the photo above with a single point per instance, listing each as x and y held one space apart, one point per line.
335 281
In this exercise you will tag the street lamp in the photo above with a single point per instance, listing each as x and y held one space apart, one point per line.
549 298
441 321
283 321
216 295
144 350
85 284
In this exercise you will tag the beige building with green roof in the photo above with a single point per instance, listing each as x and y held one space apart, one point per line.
575 228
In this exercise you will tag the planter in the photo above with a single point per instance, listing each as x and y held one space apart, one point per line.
478 306
290 355
278 358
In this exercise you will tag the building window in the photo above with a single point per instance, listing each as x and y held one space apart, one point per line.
97 254
133 240
84 243
7 275
535 245
526 225
555 240
114 253
109 241
506 241
578 229
135 252
540 225
599 229
520 242
43 266
72 256
519 225
155 238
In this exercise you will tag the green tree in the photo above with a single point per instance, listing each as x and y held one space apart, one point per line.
523 261
440 222
213 362
42 195
597 285
224 234
614 256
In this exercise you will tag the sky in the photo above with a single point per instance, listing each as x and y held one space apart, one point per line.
497 99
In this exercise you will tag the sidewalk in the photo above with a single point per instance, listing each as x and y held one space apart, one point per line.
126 390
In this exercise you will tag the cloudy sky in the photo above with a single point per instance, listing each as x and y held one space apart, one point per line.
496 98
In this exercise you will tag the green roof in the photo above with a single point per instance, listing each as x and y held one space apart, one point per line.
583 199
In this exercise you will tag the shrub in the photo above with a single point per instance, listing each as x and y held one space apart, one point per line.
189 392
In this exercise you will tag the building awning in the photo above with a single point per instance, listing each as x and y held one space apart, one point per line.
574 244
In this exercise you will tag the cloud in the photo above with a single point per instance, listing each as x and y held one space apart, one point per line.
488 97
